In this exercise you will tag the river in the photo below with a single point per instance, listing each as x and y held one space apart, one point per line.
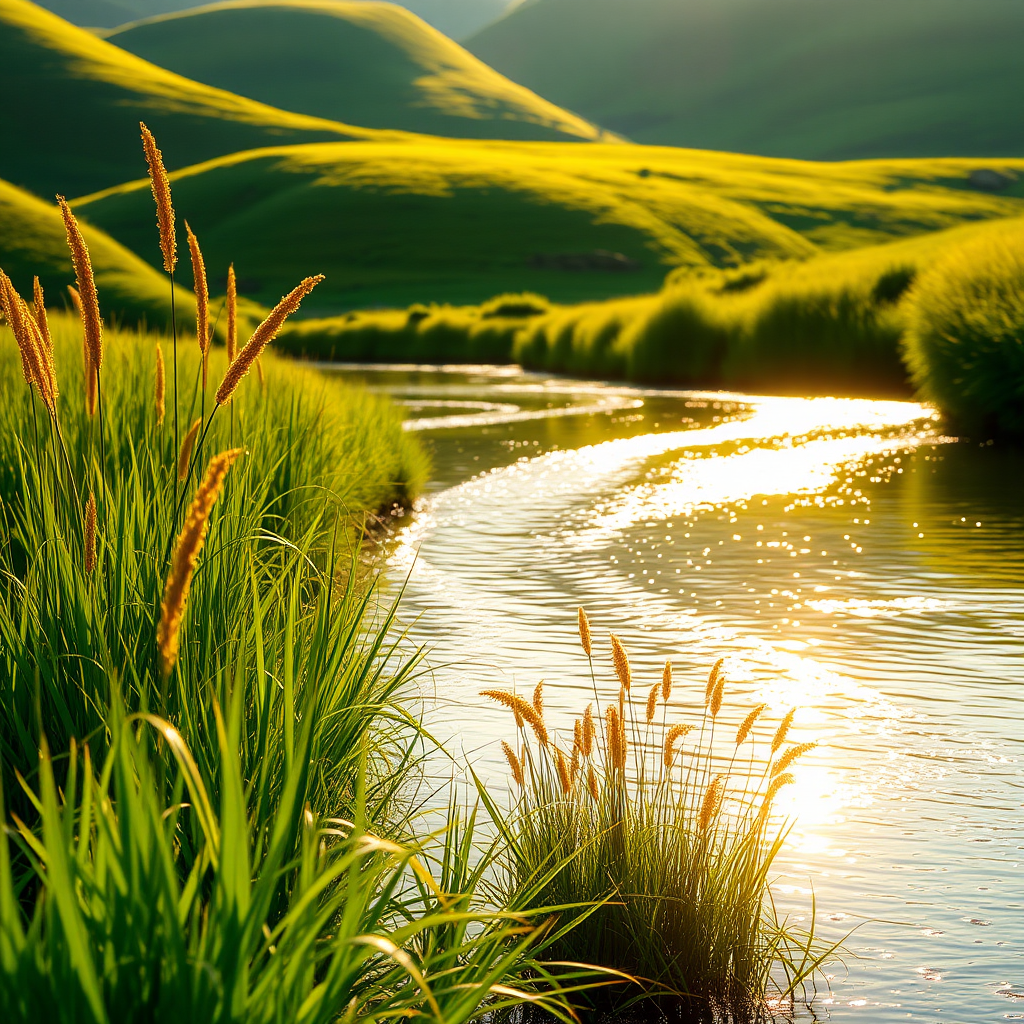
845 557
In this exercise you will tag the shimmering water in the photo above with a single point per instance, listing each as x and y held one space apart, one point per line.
844 556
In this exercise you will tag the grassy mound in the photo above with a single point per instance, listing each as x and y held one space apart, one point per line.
816 79
32 242
965 345
371 64
70 121
431 220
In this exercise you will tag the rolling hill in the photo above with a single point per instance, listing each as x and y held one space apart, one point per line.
814 79
366 63
71 107
396 222
32 242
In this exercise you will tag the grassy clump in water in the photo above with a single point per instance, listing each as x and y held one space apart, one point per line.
965 343
665 829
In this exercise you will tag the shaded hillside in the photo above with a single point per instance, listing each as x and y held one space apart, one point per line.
816 79
458 221
71 107
365 63
32 241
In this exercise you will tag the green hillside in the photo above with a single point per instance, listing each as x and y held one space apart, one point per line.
366 63
815 79
391 223
32 242
69 119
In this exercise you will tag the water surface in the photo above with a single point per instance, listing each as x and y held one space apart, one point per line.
843 555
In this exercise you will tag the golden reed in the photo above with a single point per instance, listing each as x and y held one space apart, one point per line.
88 369
589 731
676 733
514 764
712 801
162 196
621 662
712 680
262 336
666 681
202 292
652 702
716 695
186 554
39 310
92 323
523 710
538 700
564 777
783 731
797 750
748 723
592 783
584 624
185 455
36 360
231 302
160 386
90 534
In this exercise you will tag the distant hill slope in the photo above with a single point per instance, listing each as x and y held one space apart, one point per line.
365 63
455 18
815 79
32 241
458 221
71 105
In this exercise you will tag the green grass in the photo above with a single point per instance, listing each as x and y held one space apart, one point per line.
74 125
965 343
32 242
798 78
663 825
454 221
374 65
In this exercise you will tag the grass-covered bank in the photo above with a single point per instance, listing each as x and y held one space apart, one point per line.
852 323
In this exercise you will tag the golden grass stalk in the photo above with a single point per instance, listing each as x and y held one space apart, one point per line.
711 802
185 455
589 732
262 336
592 783
89 371
160 386
92 323
676 733
90 534
585 639
783 731
615 735
712 680
538 700
231 302
621 662
777 783
523 710
795 751
202 291
748 723
577 737
666 681
36 363
162 196
39 310
652 702
515 765
6 299
563 772
574 763
716 695
186 553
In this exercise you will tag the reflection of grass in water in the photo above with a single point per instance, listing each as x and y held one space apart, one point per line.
664 835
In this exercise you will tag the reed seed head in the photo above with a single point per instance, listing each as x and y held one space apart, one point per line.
616 738
711 802
523 710
90 534
589 732
785 779
160 386
577 737
563 773
36 361
187 549
515 765
621 662
795 751
162 196
676 733
185 455
652 702
783 731
8 298
538 700
262 336
717 694
592 783
574 764
584 624
231 302
39 310
666 681
748 723
92 323
202 291
712 680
